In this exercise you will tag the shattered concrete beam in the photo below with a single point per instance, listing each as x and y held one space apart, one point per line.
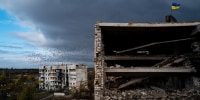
135 57
150 70
152 44
131 82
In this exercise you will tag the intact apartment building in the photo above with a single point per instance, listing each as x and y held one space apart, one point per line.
77 76
57 77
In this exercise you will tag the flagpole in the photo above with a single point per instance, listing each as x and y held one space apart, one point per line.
171 11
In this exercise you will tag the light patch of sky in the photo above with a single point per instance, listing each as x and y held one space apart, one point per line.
14 50
8 25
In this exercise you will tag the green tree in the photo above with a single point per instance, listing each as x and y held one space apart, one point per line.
2 78
27 93
91 75
18 81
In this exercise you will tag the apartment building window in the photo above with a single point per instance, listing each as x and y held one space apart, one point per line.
72 70
72 74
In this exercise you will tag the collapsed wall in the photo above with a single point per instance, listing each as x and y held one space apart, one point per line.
146 60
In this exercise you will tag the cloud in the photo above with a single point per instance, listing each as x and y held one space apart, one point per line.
10 46
3 51
67 26
26 24
33 37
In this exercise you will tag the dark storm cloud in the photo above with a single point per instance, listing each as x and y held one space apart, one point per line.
68 25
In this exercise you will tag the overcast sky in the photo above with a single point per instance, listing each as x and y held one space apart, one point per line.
43 32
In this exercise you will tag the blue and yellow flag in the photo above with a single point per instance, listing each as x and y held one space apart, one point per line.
175 6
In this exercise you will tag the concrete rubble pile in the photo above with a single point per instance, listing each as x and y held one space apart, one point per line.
119 88
152 94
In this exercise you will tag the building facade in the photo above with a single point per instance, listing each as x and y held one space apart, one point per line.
62 76
77 76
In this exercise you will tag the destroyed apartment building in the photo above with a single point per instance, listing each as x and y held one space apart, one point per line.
147 61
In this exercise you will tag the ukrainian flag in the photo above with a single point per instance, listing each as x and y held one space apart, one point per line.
175 6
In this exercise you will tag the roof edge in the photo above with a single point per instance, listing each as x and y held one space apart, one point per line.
132 24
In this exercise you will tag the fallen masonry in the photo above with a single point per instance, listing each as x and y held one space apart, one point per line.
152 94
